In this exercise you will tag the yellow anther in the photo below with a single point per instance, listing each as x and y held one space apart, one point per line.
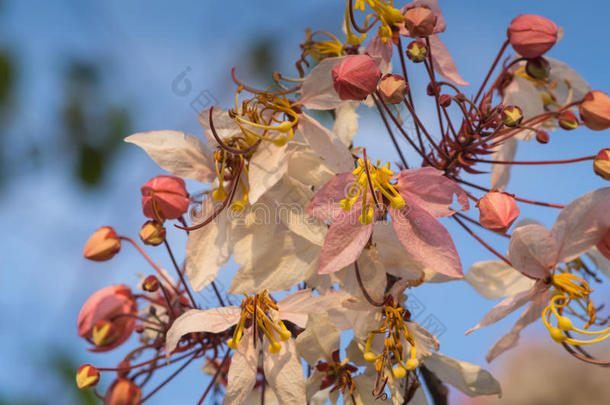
399 371
370 357
274 347
564 323
219 194
284 333
232 344
557 335
412 364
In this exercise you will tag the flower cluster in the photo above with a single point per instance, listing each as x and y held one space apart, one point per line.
345 239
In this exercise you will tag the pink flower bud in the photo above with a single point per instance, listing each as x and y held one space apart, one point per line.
567 120
497 211
356 77
542 136
444 100
601 164
150 283
164 197
87 376
512 116
107 317
595 110
152 233
123 392
392 88
417 51
102 245
532 35
604 245
420 21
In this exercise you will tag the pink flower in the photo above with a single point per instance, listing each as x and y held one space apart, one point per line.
107 317
414 202
532 35
164 197
102 245
497 211
595 110
535 252
123 392
356 77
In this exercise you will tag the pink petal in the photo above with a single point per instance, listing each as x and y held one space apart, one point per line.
376 48
510 305
582 223
431 190
325 203
318 91
530 315
344 242
443 62
533 251
426 240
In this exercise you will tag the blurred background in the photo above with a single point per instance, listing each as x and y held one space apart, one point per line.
76 77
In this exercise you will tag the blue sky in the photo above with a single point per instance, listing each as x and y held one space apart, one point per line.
144 46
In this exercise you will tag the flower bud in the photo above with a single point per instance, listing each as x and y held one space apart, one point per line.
601 164
102 245
356 77
595 110
87 376
567 120
417 51
538 68
604 245
420 21
164 197
152 233
150 284
444 100
542 136
392 88
497 211
123 392
532 35
107 317
512 116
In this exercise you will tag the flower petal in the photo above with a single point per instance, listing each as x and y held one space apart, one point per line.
334 154
267 166
242 371
325 204
432 191
510 305
318 92
393 255
213 320
426 240
582 223
224 125
443 62
182 155
319 340
495 279
500 174
344 242
297 306
346 122
533 251
377 48
284 373
600 261
531 314
469 378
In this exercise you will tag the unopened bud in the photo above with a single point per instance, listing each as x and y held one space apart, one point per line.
392 88
417 51
595 110
87 376
512 116
420 21
444 100
542 136
538 68
150 284
356 77
104 333
432 89
532 35
123 392
567 120
164 197
152 233
102 245
497 211
601 164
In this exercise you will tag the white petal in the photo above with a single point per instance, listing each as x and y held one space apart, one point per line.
318 92
560 72
346 122
307 168
495 279
533 251
500 174
297 306
328 146
183 156
582 223
469 378
372 274
284 373
267 166
213 320
207 250
425 342
319 340
242 371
